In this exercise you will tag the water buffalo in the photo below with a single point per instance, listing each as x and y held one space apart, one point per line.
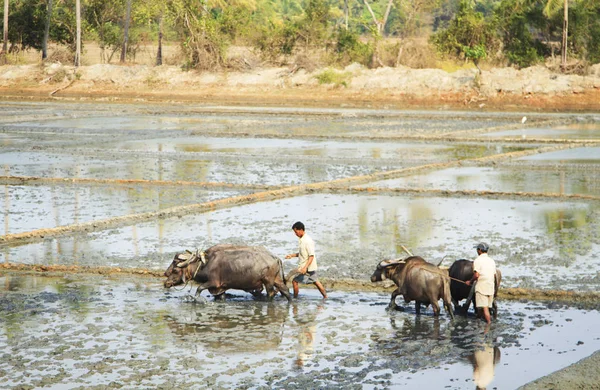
224 267
463 270
417 280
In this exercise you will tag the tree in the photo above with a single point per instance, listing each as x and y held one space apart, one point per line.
47 30
379 29
126 32
5 39
78 39
552 7
206 28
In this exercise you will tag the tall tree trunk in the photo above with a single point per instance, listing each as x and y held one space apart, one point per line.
126 32
78 39
346 12
380 24
160 38
47 31
5 41
563 59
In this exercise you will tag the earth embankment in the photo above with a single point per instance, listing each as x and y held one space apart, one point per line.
536 88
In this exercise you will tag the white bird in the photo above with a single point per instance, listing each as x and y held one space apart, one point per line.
524 119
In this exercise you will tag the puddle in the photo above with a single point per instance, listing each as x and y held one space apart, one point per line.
590 155
550 180
80 332
536 244
37 207
571 131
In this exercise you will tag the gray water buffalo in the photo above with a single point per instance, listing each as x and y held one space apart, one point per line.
223 267
417 280
463 270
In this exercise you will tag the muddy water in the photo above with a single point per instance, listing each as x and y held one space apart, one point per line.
538 244
81 332
571 131
506 178
37 207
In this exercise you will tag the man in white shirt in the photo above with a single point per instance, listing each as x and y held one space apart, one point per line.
484 271
307 263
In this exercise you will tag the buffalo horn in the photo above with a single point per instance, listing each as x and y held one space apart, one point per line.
389 263
187 262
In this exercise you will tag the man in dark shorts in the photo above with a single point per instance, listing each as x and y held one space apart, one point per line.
307 261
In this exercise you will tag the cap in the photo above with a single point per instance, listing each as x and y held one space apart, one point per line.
482 246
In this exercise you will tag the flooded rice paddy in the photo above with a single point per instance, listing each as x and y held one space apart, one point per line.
87 332
79 182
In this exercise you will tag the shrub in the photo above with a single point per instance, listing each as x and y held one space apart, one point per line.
331 76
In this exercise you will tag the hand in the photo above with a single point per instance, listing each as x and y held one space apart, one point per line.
288 256
468 282
303 270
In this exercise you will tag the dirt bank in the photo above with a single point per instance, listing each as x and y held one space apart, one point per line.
532 89
580 375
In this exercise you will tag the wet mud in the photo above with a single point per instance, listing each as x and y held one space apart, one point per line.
98 198
82 331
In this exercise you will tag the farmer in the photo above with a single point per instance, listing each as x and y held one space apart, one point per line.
307 261
484 270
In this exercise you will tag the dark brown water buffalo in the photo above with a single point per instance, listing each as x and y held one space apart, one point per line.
463 270
223 267
417 280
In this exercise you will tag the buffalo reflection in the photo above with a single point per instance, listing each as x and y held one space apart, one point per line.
484 360
246 327
424 339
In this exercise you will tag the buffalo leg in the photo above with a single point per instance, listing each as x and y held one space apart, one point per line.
270 290
495 308
418 308
283 290
436 308
392 304
448 308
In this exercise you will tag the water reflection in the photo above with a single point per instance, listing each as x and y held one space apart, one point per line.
306 319
484 360
232 327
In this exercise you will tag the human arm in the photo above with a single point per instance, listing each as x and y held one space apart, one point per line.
304 269
291 255
473 279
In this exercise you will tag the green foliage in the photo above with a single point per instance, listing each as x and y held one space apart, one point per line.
206 32
331 76
274 41
350 49
585 30
475 53
469 34
516 20
27 20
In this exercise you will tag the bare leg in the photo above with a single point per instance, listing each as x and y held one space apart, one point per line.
296 288
486 314
321 289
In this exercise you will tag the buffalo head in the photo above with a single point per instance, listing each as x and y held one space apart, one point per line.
384 270
176 272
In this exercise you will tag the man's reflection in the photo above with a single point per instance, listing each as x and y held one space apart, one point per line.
484 359
307 327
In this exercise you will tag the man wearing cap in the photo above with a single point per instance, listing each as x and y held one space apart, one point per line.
484 271
307 261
